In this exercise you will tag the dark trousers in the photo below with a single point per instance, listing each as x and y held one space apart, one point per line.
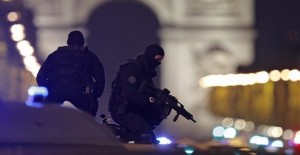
73 93
137 127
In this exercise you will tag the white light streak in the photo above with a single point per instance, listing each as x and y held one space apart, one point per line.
249 79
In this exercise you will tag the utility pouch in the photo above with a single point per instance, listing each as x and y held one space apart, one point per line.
117 103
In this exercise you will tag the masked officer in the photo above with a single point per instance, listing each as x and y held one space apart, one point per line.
132 109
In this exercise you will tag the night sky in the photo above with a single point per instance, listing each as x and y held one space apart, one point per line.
277 25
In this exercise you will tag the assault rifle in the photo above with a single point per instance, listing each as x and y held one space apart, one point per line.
163 96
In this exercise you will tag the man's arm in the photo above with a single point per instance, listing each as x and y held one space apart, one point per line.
99 75
42 77
131 79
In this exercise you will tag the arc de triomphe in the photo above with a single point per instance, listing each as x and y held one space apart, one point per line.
200 37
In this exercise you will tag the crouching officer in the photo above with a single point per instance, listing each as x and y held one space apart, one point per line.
73 73
132 109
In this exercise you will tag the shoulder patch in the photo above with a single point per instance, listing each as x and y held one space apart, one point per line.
132 79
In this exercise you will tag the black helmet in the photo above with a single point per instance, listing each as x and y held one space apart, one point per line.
75 38
151 51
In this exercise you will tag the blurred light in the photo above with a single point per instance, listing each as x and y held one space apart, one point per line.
248 79
18 36
16 28
22 44
297 138
228 80
263 141
25 49
29 60
229 133
258 140
275 75
34 90
277 143
249 126
189 150
228 122
288 134
240 124
265 130
13 16
17 31
36 95
285 74
34 68
254 139
262 77
218 131
164 140
209 81
294 75
275 131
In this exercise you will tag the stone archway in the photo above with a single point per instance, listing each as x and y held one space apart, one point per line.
118 31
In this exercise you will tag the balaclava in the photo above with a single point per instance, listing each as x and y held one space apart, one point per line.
150 52
75 38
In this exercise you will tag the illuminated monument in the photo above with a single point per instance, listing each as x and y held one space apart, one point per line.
200 37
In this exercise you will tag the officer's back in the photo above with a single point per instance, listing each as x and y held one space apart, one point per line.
73 73
70 64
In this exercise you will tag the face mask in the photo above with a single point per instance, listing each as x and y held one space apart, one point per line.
152 51
153 63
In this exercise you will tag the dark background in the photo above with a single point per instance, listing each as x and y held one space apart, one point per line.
277 24
119 30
